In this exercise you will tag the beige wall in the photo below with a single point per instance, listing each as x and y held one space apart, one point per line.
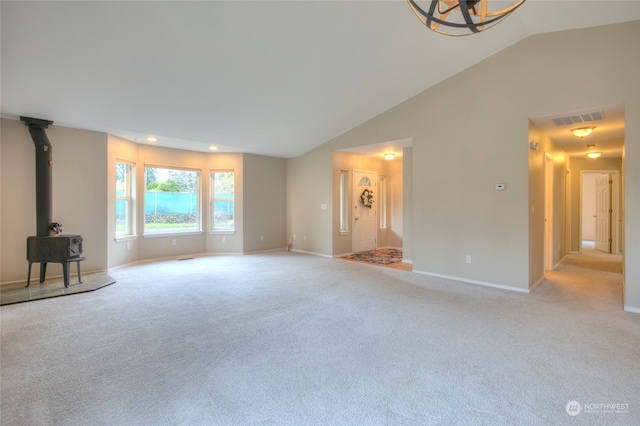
578 165
472 131
79 195
264 203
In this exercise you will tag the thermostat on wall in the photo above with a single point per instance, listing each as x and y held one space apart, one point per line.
500 186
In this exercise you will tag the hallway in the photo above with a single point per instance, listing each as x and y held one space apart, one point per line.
592 276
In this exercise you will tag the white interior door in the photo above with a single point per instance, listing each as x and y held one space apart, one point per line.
364 218
603 213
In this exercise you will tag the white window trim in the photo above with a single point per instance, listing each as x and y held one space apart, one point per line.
130 198
212 200
174 232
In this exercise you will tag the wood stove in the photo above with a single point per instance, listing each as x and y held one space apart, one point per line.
57 249
45 247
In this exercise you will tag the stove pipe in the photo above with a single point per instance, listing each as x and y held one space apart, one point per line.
44 163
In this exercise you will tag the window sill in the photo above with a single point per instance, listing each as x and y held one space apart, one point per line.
172 234
222 232
126 238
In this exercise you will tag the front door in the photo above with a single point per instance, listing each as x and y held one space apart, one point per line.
603 213
364 211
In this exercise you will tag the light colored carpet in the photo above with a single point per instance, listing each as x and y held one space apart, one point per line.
289 338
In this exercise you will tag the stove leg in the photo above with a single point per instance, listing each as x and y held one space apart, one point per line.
65 273
29 275
43 271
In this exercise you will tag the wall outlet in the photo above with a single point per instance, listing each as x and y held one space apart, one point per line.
224 239
468 259
305 238
294 237
174 242
128 246
261 237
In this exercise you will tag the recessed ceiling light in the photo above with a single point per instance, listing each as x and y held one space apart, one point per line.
152 139
213 148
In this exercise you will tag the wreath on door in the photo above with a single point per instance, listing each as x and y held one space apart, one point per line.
367 198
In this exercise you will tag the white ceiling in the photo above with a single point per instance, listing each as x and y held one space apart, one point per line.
268 77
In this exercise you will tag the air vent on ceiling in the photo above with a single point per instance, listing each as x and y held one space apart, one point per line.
579 118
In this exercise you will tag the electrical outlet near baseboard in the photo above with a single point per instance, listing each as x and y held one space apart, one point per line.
468 259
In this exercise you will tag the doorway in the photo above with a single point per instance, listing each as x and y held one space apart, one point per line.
364 210
600 210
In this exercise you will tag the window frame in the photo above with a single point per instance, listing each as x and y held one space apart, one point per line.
344 202
382 194
197 229
128 197
212 200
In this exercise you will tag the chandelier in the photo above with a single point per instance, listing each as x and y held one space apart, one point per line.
468 17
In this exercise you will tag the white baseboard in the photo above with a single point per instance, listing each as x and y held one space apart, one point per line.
466 280
311 252
632 310
537 283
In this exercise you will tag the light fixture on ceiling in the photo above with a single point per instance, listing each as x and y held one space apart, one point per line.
389 156
594 154
152 139
468 17
213 148
581 132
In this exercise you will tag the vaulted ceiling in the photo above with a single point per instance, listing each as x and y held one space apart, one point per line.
268 77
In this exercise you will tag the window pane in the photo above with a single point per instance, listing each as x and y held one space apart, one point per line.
122 217
344 200
124 198
171 202
223 188
383 202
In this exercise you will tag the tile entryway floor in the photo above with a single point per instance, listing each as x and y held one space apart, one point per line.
52 287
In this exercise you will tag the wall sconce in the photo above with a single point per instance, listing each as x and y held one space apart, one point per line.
582 131
594 154
533 146
389 156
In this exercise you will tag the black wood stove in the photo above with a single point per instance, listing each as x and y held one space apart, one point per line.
58 249
47 246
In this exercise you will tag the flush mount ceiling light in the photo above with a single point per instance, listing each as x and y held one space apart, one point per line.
594 154
389 156
582 131
152 139
213 148
459 17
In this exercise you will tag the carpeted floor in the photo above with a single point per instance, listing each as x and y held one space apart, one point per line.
383 256
293 339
